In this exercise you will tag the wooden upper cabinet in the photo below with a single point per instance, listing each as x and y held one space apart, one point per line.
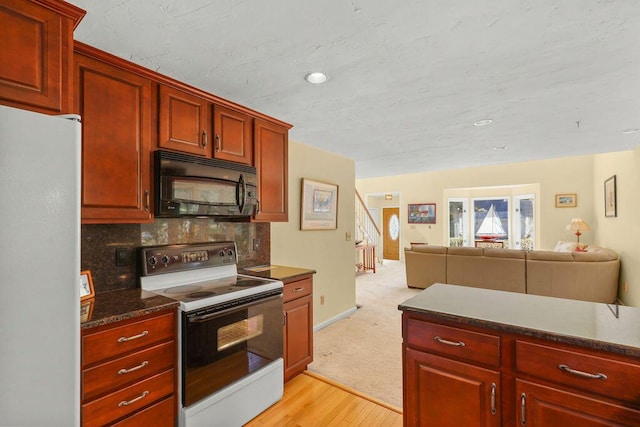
36 54
116 109
185 123
233 135
271 144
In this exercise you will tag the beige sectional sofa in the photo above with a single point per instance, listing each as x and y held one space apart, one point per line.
588 276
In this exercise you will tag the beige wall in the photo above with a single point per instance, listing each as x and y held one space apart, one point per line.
621 233
583 175
565 175
328 252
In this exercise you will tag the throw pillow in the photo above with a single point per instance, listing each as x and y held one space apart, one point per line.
563 246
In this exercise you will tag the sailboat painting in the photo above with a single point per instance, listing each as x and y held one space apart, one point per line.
491 226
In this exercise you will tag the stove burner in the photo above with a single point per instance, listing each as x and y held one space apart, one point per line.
201 294
182 289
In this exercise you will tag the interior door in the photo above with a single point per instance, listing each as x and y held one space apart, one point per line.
391 233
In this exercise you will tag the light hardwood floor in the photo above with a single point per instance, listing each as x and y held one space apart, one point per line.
311 400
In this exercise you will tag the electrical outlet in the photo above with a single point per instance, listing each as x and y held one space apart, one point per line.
347 236
321 299
625 287
122 257
256 244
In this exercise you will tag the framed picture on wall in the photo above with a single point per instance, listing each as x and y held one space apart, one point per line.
422 213
610 202
566 200
318 205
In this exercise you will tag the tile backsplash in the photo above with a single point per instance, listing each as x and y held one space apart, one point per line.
99 244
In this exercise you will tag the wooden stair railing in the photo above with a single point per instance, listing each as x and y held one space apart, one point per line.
370 233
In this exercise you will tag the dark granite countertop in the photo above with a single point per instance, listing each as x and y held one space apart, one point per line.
606 327
276 272
110 307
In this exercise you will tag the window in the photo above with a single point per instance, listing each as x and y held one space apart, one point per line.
506 215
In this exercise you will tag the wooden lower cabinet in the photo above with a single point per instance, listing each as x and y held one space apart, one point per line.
541 406
298 328
129 372
441 392
459 374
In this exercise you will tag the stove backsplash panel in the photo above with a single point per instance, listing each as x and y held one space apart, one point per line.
101 242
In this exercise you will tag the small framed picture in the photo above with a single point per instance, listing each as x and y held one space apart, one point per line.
610 202
86 285
422 213
566 200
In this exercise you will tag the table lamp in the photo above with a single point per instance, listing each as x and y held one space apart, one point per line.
578 225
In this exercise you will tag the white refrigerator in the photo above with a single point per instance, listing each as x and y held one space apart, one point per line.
39 269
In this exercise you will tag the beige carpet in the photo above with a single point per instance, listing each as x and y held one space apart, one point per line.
364 351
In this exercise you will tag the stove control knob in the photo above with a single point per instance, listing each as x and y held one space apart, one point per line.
165 259
152 261
221 253
230 252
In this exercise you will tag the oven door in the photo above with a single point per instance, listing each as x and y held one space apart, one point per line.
224 344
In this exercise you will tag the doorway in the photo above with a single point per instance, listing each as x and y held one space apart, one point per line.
391 233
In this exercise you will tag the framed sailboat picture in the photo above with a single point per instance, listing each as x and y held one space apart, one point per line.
422 213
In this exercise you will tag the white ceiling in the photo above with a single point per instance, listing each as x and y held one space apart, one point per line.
407 79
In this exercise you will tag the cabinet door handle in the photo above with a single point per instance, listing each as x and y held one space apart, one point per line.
146 200
597 376
134 400
257 206
300 289
135 368
218 143
493 398
135 337
523 409
447 342
204 139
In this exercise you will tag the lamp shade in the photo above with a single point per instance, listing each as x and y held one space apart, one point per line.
578 224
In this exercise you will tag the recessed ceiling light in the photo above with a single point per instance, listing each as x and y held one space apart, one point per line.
501 148
316 78
632 130
483 122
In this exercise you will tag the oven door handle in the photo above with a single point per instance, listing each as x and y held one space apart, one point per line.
204 317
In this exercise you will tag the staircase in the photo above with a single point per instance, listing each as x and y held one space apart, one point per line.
368 236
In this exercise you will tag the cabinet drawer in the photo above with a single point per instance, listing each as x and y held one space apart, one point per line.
579 370
458 343
297 289
125 370
132 336
127 400
158 415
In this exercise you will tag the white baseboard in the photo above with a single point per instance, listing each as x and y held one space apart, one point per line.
342 315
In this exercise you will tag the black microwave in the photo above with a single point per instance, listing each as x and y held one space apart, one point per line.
192 186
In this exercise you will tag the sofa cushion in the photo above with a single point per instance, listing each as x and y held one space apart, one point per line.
595 255
465 251
550 256
430 249
504 253
426 266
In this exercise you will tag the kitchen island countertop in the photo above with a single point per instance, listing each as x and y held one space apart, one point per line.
114 306
608 327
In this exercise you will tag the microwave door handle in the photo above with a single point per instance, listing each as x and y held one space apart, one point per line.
241 193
